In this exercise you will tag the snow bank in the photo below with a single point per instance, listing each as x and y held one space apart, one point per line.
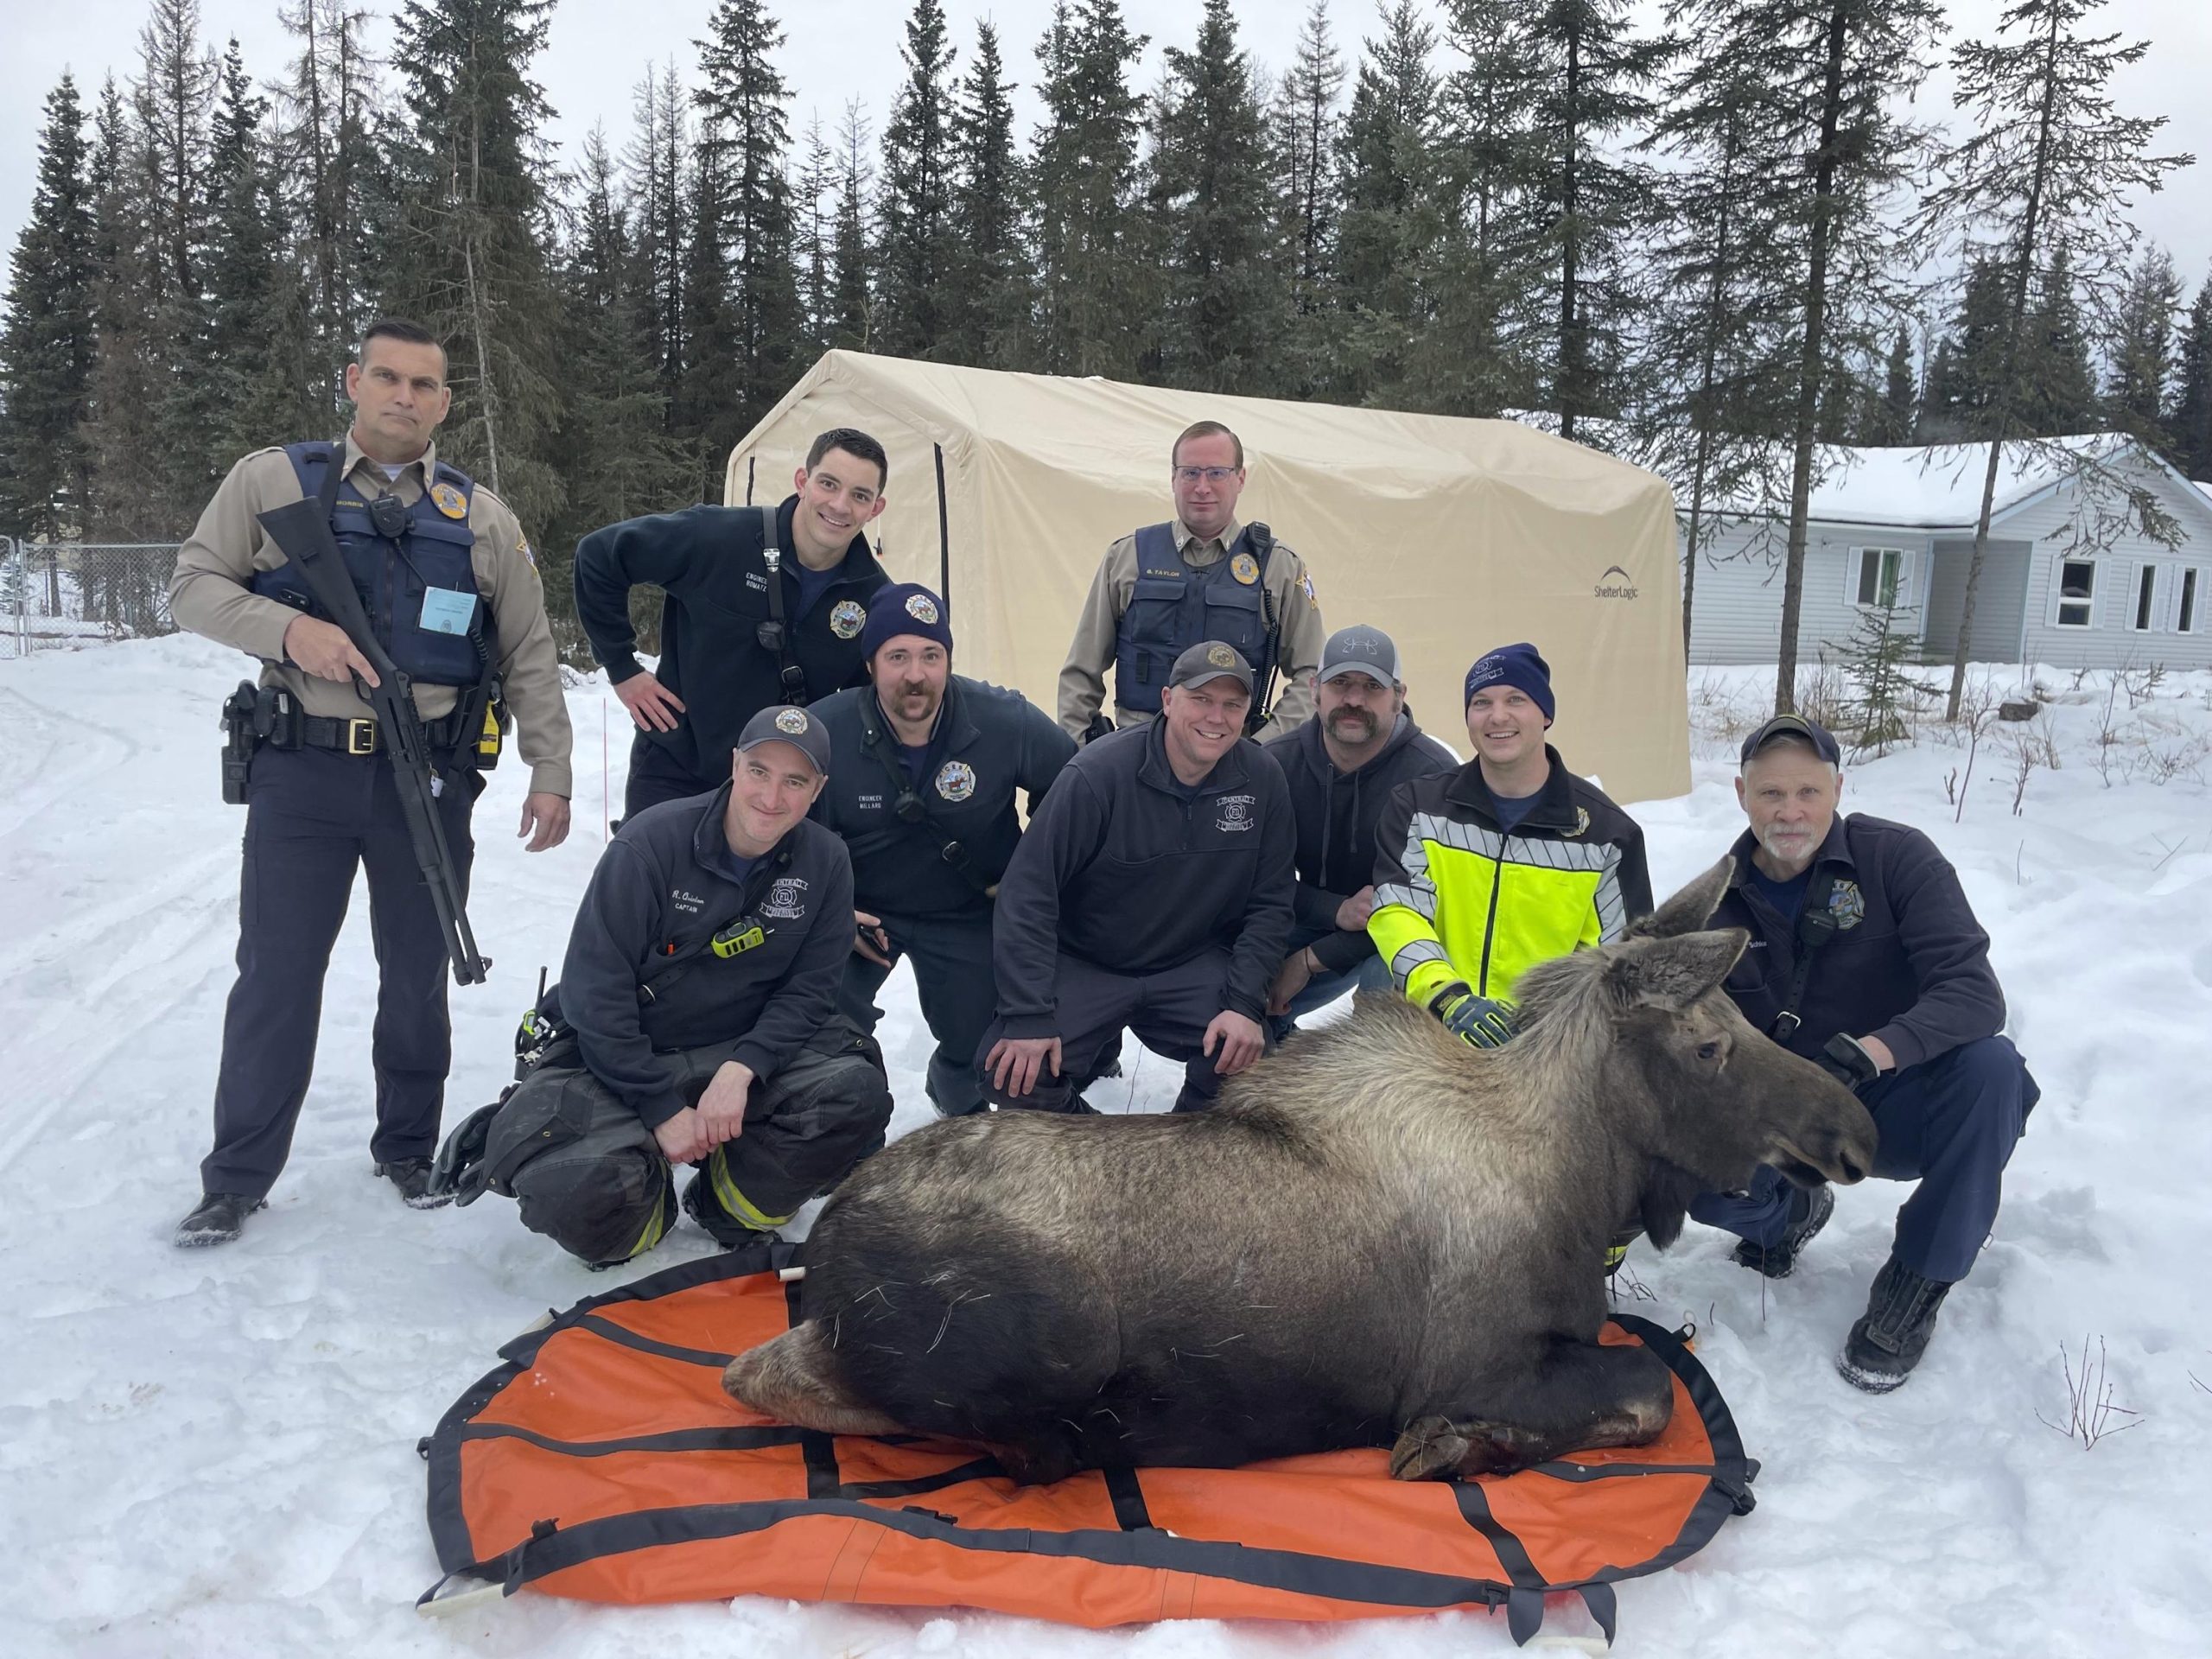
213 1451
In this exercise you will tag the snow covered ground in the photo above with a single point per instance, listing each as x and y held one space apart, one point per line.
211 1453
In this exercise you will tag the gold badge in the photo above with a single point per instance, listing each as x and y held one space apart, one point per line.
1221 657
792 721
1245 568
847 618
448 500
922 608
1581 822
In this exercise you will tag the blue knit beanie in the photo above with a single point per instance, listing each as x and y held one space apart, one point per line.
906 608
1515 666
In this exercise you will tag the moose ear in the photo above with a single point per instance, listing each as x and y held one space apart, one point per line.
1674 973
1690 909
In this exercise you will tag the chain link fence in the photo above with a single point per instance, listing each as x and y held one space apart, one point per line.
66 595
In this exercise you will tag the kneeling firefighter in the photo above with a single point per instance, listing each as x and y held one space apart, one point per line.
694 1022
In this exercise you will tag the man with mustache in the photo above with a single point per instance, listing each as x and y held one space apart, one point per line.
1865 957
1341 766
1152 894
928 764
1201 577
734 638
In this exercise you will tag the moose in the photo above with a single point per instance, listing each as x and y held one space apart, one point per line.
1379 1236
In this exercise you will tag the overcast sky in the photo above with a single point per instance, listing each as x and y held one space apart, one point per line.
839 50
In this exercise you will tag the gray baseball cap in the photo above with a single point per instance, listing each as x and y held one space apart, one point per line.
1361 649
788 723
1209 659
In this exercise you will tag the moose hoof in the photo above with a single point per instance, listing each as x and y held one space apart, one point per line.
1430 1448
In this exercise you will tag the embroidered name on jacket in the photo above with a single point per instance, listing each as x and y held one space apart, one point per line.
783 901
687 902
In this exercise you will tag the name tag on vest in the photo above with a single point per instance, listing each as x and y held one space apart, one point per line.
447 610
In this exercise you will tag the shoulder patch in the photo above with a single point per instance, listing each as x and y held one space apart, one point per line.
1306 587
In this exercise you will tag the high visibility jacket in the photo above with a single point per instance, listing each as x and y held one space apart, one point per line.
1457 897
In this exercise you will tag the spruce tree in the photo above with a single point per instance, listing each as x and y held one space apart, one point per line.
1899 407
2141 348
1093 288
473 261
2058 391
745 97
659 226
2189 433
1393 218
709 413
816 252
47 336
852 297
129 498
1307 122
993 282
915 255
1226 299
1975 365
2046 165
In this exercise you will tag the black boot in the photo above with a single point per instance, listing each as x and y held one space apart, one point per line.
219 1218
1889 1340
727 1230
412 1177
1809 1210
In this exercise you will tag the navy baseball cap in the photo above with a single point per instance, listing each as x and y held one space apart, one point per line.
1795 726
788 723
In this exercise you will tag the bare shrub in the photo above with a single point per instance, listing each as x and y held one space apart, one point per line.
2091 1409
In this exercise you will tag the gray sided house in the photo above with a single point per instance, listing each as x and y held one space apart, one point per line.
2071 579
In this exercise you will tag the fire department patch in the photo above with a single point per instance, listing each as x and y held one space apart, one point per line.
448 500
1848 905
956 780
847 618
922 608
1245 568
792 721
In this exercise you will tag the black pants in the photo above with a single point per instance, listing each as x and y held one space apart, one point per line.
1169 1012
952 976
312 816
605 1197
656 776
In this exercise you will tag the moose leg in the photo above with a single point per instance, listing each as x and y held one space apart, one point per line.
791 1378
1580 1396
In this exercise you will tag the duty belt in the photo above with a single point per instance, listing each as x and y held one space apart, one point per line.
360 735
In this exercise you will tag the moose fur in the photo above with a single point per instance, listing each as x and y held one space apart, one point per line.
1380 1236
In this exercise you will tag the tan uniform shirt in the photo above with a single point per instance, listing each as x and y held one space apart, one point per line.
210 595
1297 652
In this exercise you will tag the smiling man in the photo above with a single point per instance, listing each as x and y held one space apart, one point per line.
695 1022
733 637
1153 894
461 612
1866 957
1510 861
930 768
1201 577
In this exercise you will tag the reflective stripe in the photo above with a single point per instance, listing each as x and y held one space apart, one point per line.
735 1203
656 1225
1612 909
1412 955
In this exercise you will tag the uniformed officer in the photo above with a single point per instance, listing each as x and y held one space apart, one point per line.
1201 577
453 596
732 639
1866 957
1152 894
1342 767
927 765
695 1022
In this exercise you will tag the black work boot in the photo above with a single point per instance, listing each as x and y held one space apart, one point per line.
727 1230
412 1177
1889 1340
1809 1210
219 1218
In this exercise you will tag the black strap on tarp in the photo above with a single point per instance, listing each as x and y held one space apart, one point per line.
1136 1542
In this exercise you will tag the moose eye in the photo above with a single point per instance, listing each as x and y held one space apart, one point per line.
1708 1051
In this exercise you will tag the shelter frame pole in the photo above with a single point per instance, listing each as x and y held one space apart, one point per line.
944 533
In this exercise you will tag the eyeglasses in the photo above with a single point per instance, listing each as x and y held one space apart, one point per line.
1211 474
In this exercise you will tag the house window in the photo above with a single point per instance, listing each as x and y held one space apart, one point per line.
2147 588
1880 577
2077 592
2185 606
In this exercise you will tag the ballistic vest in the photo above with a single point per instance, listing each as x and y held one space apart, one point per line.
1175 606
427 568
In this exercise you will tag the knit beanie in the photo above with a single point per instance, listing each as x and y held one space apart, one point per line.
906 608
1515 665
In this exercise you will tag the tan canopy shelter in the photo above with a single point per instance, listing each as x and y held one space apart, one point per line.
1451 535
